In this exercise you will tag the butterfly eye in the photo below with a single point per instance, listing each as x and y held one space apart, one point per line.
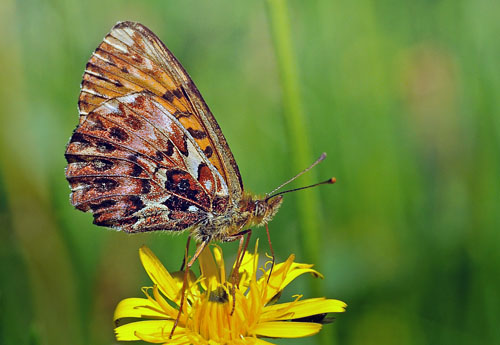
260 208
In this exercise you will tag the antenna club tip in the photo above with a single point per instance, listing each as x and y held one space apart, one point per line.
332 180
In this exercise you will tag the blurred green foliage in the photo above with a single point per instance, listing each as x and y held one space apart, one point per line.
404 96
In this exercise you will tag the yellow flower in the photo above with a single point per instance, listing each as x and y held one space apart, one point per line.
207 318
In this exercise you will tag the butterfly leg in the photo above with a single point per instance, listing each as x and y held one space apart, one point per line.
272 252
184 259
187 267
235 274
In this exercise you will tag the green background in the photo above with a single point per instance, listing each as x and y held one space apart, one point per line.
402 95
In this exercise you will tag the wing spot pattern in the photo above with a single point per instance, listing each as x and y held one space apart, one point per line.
118 134
100 164
103 184
197 134
208 151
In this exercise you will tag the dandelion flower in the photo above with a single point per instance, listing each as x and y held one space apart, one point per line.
207 318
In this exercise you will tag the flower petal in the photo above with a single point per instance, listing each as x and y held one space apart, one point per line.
192 287
139 308
164 337
282 275
248 266
159 274
286 329
219 259
153 328
208 268
298 269
167 308
298 309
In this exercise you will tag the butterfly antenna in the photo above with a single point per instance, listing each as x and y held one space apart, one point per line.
331 180
319 160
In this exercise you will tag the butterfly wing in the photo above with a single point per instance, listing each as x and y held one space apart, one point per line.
134 165
130 59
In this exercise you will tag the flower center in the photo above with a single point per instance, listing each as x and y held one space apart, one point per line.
212 317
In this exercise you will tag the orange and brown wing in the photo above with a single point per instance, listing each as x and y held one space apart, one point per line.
136 168
130 59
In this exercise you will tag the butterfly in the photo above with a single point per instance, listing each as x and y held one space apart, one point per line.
148 154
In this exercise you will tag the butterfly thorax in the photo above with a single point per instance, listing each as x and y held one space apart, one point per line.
250 211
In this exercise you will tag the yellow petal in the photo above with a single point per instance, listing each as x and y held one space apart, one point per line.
192 288
159 275
219 259
208 268
298 309
180 340
138 308
282 275
278 275
286 329
249 264
164 337
297 270
154 328
167 308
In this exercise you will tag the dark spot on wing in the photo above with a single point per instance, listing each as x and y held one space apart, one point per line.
196 133
79 138
133 122
145 186
201 166
177 182
177 93
137 205
70 158
159 156
136 170
170 149
118 134
168 95
178 114
208 151
183 185
104 204
105 147
184 149
175 203
104 184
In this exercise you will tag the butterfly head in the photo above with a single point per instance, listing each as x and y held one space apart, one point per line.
265 209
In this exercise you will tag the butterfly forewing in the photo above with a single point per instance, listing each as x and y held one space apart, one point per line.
132 59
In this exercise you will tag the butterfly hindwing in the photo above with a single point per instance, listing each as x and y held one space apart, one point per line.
134 165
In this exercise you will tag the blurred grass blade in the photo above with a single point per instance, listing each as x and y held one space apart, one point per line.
295 125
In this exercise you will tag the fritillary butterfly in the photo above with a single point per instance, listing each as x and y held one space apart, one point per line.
148 154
